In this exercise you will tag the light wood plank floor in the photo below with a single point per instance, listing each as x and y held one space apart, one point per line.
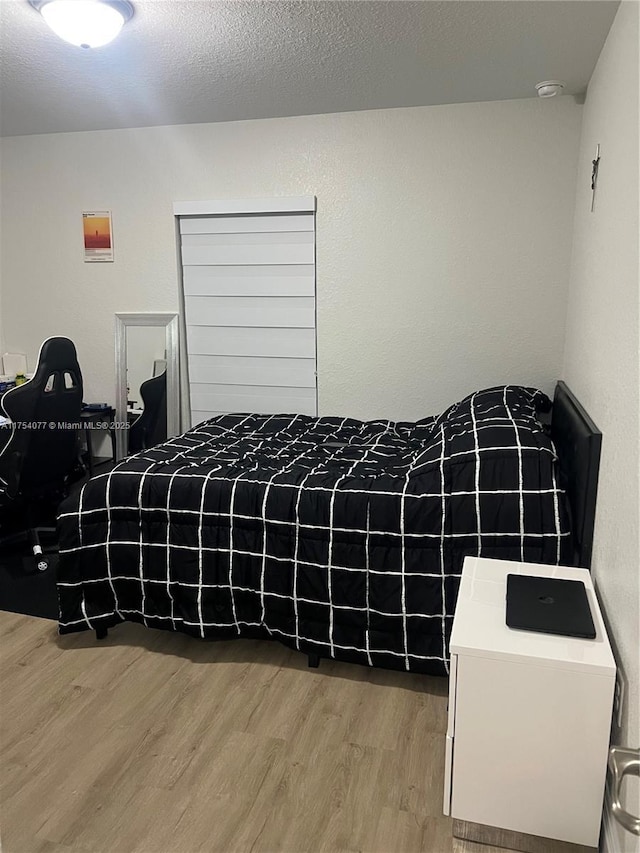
152 742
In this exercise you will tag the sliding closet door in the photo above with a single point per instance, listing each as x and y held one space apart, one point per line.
248 273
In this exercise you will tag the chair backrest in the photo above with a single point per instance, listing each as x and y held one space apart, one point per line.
45 413
151 427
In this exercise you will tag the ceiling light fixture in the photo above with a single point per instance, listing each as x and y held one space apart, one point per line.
549 88
85 23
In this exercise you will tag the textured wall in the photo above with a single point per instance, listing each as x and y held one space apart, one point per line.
2 348
442 240
601 356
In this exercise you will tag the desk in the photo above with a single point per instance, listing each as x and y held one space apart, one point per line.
102 420
90 419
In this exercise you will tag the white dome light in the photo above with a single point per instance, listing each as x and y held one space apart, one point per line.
549 88
85 23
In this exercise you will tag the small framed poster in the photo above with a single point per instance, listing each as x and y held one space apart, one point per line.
98 236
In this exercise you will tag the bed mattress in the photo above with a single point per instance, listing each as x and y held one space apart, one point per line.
337 537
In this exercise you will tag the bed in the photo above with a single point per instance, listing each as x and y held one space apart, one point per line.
340 538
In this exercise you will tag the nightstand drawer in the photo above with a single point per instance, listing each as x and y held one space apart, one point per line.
531 748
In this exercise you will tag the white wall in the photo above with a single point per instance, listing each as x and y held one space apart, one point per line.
442 241
2 349
602 345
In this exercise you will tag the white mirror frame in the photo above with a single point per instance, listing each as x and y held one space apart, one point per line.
170 324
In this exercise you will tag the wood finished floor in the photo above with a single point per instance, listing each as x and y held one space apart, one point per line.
152 742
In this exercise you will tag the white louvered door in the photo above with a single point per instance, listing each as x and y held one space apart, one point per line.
248 274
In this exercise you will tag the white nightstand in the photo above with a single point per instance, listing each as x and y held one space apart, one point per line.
529 720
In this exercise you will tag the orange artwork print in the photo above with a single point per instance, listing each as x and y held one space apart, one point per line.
97 235
97 232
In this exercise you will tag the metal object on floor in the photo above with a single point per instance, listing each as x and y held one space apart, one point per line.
496 837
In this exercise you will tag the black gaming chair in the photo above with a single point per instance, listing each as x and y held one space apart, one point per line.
151 427
39 448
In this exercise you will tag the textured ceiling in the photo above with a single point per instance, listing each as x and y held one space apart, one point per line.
184 61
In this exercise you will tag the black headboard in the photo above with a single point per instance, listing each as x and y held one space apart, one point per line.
578 441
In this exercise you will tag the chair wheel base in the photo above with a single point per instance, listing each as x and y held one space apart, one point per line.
36 564
42 563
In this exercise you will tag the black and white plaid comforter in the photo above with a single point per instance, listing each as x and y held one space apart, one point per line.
337 537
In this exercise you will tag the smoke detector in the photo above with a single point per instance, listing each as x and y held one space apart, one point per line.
549 88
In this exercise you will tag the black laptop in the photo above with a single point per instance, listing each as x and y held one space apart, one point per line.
549 605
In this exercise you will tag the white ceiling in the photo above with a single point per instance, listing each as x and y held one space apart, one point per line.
184 61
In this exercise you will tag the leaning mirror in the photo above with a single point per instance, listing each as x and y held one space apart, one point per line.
147 391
